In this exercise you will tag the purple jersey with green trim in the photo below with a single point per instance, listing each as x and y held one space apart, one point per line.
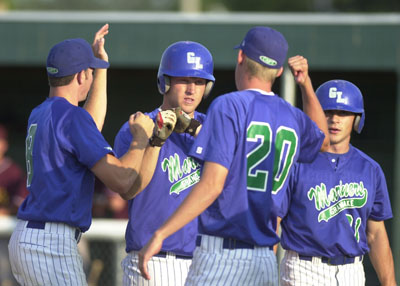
62 145
328 202
175 175
257 136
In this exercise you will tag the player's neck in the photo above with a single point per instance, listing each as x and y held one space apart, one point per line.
255 83
339 148
64 92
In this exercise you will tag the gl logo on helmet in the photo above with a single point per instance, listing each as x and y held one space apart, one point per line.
334 93
192 59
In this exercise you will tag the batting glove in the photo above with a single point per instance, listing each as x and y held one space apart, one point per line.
165 123
184 123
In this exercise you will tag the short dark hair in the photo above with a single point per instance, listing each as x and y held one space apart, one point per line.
60 81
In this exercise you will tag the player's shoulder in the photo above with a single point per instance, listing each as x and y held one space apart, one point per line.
231 99
57 102
124 128
124 135
56 105
199 116
63 112
285 104
153 114
364 157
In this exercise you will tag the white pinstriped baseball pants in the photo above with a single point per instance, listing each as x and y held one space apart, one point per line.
294 271
46 256
214 265
165 271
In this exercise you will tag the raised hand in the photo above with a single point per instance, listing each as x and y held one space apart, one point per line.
98 43
299 68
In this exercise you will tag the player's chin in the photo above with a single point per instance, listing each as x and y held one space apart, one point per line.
189 107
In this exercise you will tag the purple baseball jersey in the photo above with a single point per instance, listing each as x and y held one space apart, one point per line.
175 175
257 136
328 202
62 145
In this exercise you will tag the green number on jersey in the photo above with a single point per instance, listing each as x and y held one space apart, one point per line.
257 181
356 226
286 140
28 153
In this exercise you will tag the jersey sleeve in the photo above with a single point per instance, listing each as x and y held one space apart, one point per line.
82 138
311 138
381 209
216 141
122 140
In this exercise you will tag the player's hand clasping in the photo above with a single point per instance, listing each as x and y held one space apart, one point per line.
141 127
165 124
184 123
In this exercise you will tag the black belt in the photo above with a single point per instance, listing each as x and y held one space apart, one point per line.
41 225
337 260
164 255
231 243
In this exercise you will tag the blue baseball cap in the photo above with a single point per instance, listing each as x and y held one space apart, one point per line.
265 46
72 56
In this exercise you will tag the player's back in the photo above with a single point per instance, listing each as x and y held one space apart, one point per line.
262 136
272 136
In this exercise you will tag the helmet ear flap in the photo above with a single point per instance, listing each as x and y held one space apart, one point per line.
163 83
167 83
357 120
207 90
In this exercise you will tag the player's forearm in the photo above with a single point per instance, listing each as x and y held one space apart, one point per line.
119 174
201 197
146 172
278 224
380 253
382 261
313 109
131 162
96 103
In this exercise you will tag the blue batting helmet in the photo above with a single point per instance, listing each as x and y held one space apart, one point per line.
185 59
342 95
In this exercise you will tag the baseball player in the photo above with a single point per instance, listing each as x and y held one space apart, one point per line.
64 150
185 77
248 141
334 209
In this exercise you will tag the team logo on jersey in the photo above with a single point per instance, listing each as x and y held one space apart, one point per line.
341 197
182 175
